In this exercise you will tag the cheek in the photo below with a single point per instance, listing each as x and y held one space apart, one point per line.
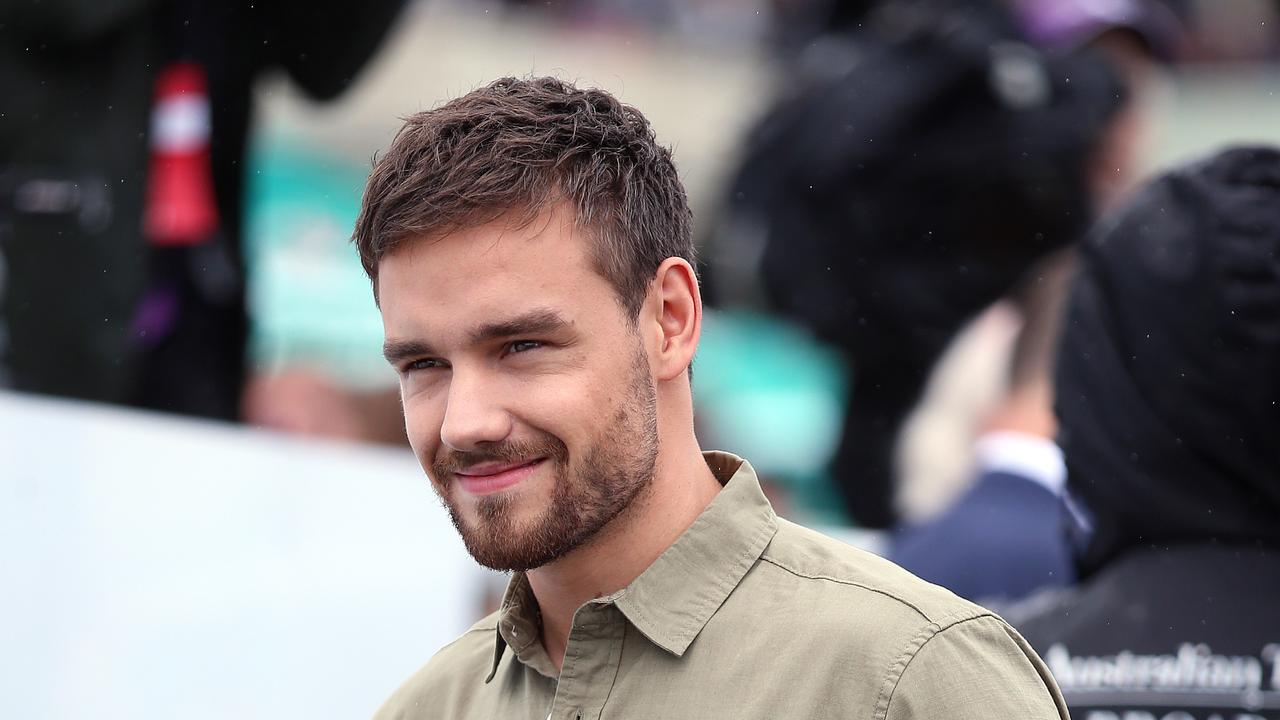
572 407
422 419
558 406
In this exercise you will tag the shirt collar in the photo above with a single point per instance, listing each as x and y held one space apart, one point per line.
675 597
519 627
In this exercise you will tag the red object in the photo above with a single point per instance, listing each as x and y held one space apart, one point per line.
180 207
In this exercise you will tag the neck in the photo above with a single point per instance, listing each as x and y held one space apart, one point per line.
682 488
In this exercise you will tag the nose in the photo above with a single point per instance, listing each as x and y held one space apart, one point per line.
475 414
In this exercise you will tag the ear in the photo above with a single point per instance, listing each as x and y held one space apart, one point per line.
676 313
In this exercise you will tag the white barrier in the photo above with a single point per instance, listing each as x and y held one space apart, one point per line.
154 567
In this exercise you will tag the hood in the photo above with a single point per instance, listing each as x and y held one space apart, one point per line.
1168 375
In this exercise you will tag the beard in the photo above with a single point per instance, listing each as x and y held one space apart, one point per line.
589 492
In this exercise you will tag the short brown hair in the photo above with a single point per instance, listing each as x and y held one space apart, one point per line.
521 145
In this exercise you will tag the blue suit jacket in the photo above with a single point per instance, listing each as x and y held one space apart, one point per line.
1003 539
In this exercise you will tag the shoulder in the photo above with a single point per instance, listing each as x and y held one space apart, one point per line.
855 575
453 671
975 668
924 649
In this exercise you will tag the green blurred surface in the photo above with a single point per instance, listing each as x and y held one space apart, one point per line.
768 391
309 298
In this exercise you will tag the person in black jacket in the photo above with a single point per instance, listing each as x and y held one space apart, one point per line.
1168 393
914 171
90 306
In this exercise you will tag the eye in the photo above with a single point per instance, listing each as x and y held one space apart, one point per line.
423 364
520 346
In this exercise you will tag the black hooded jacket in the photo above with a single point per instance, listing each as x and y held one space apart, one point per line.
1168 394
1169 372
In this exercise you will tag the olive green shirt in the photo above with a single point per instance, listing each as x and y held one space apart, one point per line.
744 616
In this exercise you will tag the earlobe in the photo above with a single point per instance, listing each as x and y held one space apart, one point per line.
679 315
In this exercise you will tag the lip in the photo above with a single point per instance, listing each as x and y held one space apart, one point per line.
489 478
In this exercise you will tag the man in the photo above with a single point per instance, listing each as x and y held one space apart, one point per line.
529 245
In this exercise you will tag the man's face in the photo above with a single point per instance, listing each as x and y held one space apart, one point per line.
527 392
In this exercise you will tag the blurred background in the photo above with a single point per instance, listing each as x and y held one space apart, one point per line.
206 497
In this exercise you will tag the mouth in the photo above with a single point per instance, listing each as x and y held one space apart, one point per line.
489 478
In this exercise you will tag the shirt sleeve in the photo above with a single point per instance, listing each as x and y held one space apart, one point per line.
976 668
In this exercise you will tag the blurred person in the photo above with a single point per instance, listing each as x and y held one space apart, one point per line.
530 249
1001 539
916 170
1134 36
1168 386
122 147
309 402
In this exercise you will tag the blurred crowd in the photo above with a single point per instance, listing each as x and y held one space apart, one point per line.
917 166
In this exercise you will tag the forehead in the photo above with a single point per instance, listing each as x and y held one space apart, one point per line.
500 268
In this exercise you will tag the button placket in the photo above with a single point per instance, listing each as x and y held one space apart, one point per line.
590 662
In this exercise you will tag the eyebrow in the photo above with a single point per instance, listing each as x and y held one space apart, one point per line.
535 322
397 351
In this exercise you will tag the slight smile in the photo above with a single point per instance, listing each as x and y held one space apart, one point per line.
489 478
